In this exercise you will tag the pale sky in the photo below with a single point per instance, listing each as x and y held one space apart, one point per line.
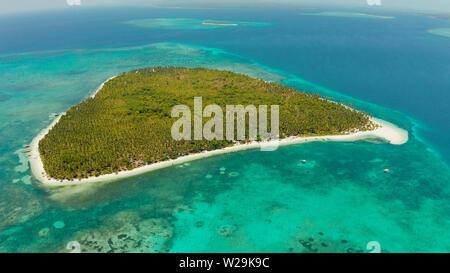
14 6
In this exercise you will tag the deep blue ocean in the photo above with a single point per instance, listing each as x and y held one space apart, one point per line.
339 201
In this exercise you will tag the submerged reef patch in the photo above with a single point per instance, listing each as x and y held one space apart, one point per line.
126 232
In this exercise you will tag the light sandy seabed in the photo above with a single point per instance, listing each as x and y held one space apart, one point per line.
386 131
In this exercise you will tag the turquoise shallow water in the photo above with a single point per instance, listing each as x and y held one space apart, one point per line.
247 201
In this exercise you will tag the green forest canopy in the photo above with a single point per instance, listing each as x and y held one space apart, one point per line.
128 123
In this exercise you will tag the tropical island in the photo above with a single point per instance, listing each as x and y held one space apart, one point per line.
219 24
125 127
445 32
349 14
191 23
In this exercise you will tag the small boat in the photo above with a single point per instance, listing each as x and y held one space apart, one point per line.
303 161
386 170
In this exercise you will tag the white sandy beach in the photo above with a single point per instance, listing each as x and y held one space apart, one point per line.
101 86
387 131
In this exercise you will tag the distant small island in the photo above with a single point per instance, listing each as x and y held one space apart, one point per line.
445 32
220 24
125 127
349 14
191 23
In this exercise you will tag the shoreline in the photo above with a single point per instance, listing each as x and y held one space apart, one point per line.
101 86
387 131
